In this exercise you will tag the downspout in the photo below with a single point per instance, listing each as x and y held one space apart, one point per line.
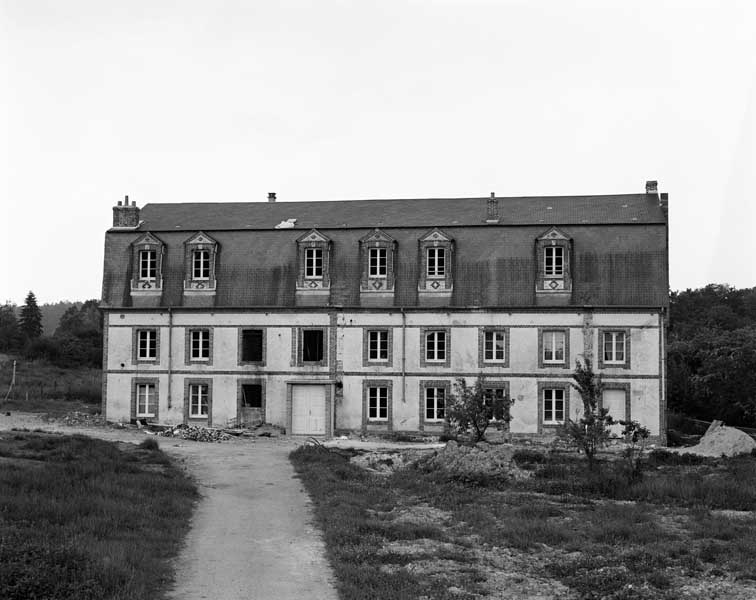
170 353
663 375
404 356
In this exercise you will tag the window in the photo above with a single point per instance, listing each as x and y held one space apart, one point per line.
313 263
252 396
435 346
252 345
146 400
553 347
436 262
201 264
378 341
312 345
377 403
200 344
553 258
494 346
435 403
614 347
147 344
553 406
378 262
148 264
199 400
496 393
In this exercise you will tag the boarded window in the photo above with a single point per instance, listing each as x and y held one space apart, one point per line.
252 345
312 345
252 395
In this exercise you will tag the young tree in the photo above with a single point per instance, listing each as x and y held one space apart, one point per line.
635 437
31 318
10 337
591 432
471 408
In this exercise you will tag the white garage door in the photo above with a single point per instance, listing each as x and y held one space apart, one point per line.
614 400
308 410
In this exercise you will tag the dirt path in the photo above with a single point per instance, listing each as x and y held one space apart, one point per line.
251 535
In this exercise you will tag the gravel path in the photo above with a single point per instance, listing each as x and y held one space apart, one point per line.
251 534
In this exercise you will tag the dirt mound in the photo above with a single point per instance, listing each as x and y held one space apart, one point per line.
486 460
721 440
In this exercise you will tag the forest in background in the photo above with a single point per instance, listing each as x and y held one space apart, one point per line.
711 347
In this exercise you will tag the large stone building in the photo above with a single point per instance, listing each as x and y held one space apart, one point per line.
360 315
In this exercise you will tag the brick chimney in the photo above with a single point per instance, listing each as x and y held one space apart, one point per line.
652 187
492 209
271 196
125 214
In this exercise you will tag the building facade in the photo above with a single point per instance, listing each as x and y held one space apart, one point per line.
324 317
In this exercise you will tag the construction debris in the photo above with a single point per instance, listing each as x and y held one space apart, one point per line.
470 462
720 440
77 419
195 433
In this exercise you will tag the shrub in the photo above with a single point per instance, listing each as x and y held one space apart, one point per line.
150 444
473 408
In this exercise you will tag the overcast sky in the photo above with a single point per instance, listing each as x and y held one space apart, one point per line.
208 101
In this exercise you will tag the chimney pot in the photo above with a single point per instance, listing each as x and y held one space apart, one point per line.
652 187
120 203
271 196
493 194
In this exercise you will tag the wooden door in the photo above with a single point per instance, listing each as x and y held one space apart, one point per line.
614 400
308 410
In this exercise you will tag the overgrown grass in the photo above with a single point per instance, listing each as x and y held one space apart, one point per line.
597 533
82 519
42 387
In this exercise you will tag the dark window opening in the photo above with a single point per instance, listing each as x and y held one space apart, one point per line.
252 345
252 396
312 345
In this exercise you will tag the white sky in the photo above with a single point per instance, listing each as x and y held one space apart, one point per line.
226 101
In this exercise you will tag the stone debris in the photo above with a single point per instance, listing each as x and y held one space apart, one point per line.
720 440
483 459
195 433
77 419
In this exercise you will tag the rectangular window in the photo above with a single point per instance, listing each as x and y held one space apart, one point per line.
147 344
553 406
378 262
435 403
313 263
378 345
494 393
378 403
553 257
614 347
198 400
252 395
146 400
553 347
200 344
494 346
312 345
252 345
435 346
436 262
201 264
148 264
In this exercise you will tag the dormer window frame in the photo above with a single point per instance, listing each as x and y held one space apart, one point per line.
436 277
147 252
313 267
199 284
377 258
553 259
378 262
201 265
313 258
147 262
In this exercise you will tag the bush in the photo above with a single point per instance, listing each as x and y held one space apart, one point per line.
150 444
527 459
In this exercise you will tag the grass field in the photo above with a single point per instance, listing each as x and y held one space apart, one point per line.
85 519
678 533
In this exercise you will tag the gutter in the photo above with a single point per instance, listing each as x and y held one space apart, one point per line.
404 356
170 352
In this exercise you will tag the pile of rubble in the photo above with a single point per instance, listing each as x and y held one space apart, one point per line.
195 433
77 419
481 460
720 440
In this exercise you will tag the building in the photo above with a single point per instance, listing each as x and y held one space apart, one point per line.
359 315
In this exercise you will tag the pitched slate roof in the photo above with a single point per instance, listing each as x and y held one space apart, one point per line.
427 212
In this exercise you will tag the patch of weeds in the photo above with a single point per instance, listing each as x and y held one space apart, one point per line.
149 444
661 457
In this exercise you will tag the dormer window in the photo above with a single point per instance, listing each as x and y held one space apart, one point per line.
554 276
313 272
553 259
147 270
436 262
201 252
436 271
377 250
313 263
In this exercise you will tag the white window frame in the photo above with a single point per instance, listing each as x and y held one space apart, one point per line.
551 398
435 400
197 340
313 263
494 336
147 342
201 265
550 345
148 264
378 341
377 403
435 345
438 268
378 262
144 392
553 261
611 339
198 392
